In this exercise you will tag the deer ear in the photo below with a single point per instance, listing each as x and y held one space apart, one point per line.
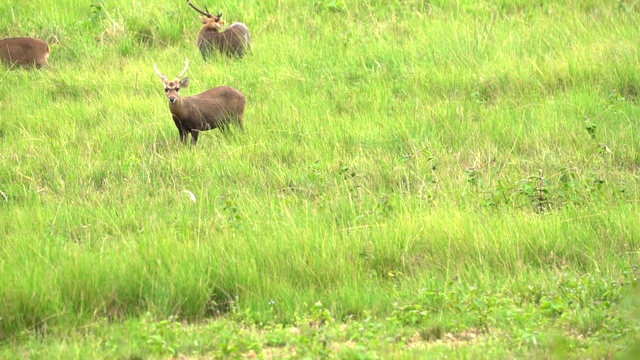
184 83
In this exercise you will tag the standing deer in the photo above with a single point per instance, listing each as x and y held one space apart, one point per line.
234 41
214 108
24 51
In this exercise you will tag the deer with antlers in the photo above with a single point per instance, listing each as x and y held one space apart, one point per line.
24 51
234 41
214 108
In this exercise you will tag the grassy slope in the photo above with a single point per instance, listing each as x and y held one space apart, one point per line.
453 168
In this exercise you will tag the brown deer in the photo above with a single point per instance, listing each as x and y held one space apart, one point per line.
214 108
24 51
234 41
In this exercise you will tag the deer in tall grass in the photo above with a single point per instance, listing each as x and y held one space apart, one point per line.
214 108
234 41
24 51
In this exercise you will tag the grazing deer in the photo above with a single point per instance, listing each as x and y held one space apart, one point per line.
234 41
214 108
24 51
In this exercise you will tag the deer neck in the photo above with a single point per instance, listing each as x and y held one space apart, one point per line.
178 107
211 29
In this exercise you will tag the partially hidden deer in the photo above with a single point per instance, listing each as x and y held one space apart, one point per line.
24 51
214 108
234 41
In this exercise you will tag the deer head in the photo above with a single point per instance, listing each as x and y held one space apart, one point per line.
172 87
208 19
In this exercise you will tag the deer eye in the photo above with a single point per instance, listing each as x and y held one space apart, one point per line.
166 89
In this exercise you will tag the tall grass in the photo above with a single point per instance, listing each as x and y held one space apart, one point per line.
392 149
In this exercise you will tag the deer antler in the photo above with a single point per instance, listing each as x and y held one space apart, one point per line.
186 65
218 16
158 72
205 13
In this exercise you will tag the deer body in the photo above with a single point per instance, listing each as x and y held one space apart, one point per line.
214 108
234 41
24 51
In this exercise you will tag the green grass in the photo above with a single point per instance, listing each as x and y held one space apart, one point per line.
417 179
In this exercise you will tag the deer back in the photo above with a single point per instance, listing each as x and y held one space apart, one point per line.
24 51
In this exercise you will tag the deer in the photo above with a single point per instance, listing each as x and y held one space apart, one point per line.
234 41
214 108
24 51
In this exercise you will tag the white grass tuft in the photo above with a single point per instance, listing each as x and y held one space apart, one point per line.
192 196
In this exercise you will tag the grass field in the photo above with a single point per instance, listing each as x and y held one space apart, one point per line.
417 179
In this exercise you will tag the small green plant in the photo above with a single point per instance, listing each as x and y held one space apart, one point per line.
231 210
318 315
591 129
615 97
384 206
335 6
159 336
346 172
411 314
315 171
536 188
98 12
552 305
473 177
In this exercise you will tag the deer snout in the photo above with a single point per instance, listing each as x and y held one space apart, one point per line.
173 99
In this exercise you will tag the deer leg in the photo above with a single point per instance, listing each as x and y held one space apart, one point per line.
205 49
239 121
194 136
183 135
181 130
